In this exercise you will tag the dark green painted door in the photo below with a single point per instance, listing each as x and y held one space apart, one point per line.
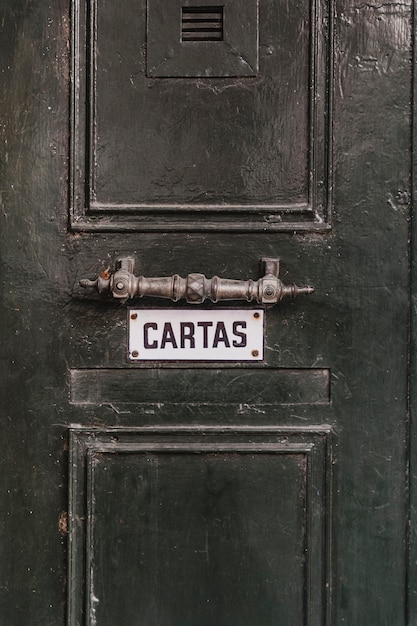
200 138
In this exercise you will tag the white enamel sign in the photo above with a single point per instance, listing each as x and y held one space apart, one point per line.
196 334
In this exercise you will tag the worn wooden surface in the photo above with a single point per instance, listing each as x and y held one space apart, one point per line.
193 537
264 161
356 325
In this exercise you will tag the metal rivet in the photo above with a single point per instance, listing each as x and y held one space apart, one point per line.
134 316
135 354
120 285
269 291
255 353
256 315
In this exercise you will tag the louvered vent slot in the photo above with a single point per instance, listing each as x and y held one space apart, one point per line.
202 23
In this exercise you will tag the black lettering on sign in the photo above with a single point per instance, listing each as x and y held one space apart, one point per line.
243 338
204 326
187 332
187 335
149 345
221 336
168 336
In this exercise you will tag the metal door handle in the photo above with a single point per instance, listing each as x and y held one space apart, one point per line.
195 288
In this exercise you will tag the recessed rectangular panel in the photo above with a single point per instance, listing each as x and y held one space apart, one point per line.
202 142
195 385
228 528
218 128
198 538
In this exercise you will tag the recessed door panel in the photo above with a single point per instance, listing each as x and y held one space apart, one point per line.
229 528
198 132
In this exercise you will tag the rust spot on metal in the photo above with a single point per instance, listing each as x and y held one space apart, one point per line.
63 524
105 274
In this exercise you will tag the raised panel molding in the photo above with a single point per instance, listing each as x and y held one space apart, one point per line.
246 509
153 152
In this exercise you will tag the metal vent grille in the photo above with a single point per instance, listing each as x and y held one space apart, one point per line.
202 23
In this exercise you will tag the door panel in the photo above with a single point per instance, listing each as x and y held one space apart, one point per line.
253 106
270 492
225 528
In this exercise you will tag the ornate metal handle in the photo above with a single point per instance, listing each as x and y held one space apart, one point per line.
195 288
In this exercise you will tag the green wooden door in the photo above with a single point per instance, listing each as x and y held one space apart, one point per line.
200 138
